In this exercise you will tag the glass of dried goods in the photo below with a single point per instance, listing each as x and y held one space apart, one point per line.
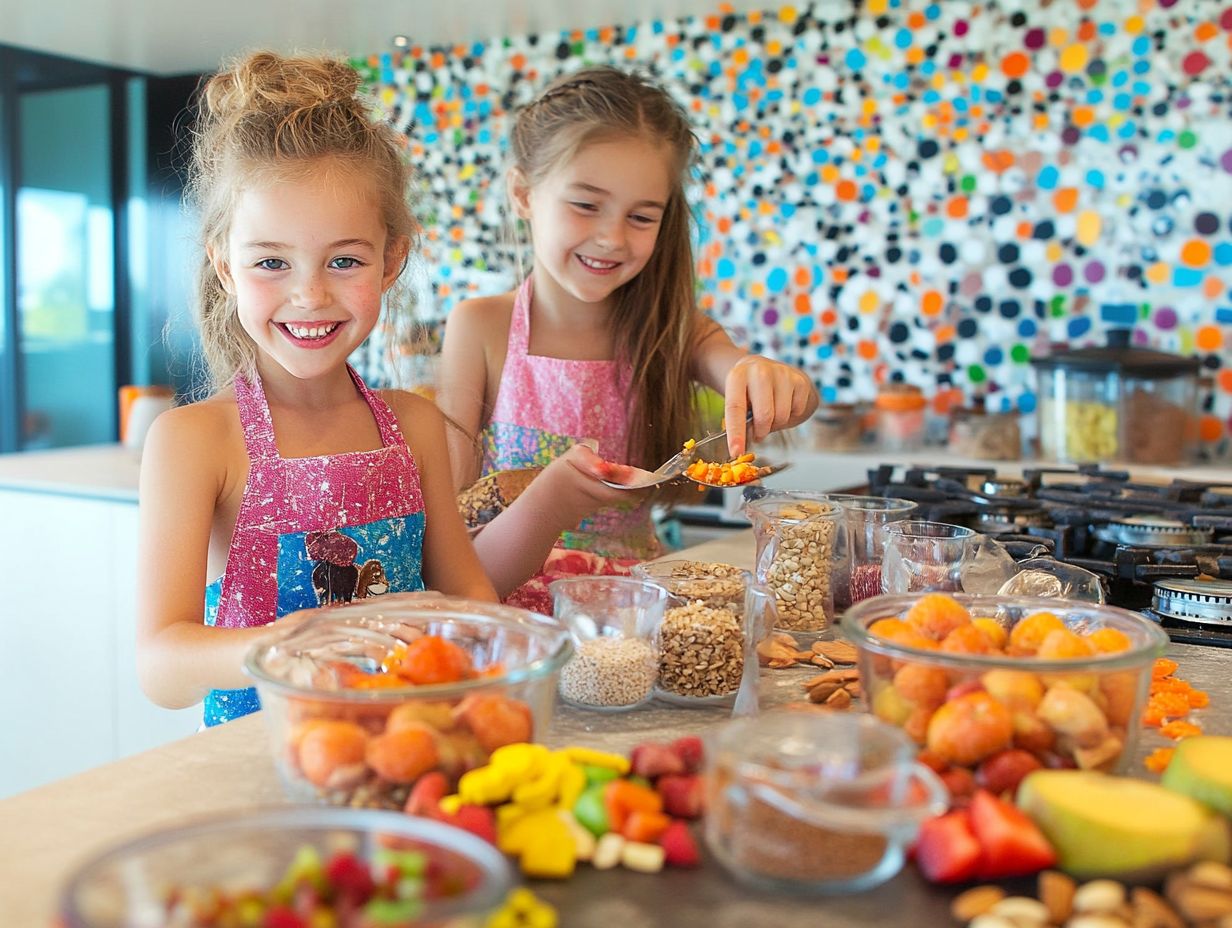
815 802
865 517
614 622
802 553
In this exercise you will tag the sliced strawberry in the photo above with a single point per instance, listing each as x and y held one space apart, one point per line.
350 877
1010 844
478 820
683 796
652 759
425 798
281 917
946 850
689 749
679 848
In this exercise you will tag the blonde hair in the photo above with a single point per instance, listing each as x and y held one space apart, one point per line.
267 117
654 313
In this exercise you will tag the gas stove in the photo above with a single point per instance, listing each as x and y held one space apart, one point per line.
1162 549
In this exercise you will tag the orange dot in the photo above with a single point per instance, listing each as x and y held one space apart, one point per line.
803 276
957 207
846 190
1209 338
1212 287
1205 31
1225 380
1210 428
945 334
1158 273
1196 253
839 274
829 317
803 304
867 349
1083 116
930 303
1065 199
1015 64
1086 31
1024 229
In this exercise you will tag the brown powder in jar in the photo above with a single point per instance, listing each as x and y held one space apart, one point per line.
767 842
1155 430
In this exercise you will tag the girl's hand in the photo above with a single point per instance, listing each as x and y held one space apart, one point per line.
779 394
575 477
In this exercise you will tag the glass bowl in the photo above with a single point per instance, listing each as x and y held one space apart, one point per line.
347 730
1066 681
187 874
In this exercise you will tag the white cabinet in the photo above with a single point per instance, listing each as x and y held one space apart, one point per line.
69 697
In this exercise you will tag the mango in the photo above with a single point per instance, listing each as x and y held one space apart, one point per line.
1112 826
1201 768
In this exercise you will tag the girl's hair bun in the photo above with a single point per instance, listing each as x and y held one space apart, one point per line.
265 82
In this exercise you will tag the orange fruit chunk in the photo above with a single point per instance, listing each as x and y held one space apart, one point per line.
432 659
329 745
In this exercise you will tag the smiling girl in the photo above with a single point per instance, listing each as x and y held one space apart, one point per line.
293 485
603 342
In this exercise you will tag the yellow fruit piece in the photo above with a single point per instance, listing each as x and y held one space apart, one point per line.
572 784
519 834
519 761
484 786
617 762
1202 768
548 853
993 630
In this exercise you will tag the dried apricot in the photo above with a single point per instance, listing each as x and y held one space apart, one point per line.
1014 688
966 730
1180 729
1062 644
432 659
438 715
1109 640
403 755
936 615
966 639
993 630
1030 631
1159 759
330 746
496 720
923 685
1163 667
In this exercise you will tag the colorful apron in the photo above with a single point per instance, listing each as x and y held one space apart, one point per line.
543 407
314 531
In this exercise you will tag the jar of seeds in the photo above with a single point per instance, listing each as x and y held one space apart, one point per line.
614 622
716 616
801 553
865 517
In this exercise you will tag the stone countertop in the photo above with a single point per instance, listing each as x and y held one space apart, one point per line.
110 472
48 830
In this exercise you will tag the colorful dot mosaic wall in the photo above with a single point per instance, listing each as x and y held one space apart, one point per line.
897 189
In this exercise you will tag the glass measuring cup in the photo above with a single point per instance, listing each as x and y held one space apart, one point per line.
815 802
922 556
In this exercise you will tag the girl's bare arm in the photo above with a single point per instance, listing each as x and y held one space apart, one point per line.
462 384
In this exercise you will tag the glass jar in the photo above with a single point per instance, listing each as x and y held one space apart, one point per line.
614 622
865 517
1117 403
839 427
987 436
900 417
814 802
924 556
802 554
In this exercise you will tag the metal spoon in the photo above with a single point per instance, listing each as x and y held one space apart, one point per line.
766 471
673 467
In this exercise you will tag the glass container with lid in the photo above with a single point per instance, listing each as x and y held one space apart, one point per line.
900 417
1117 402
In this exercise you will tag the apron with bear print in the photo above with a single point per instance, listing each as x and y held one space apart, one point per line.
314 531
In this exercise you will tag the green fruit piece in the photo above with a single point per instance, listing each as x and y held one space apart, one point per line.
1105 825
1201 768
596 774
591 812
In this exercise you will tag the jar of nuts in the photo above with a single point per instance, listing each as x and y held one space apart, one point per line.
802 552
716 616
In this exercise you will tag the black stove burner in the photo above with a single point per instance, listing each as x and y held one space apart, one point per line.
1130 534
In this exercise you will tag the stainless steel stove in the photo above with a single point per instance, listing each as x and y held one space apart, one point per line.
1164 550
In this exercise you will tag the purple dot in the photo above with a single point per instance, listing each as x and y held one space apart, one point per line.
1062 275
956 61
1225 160
1034 39
1167 3
1182 103
1054 79
1093 272
770 316
1070 135
961 27
1165 318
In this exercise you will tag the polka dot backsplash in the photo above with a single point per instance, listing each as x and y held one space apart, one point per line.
896 190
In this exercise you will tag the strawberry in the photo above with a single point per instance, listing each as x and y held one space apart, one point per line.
946 850
425 798
683 796
652 759
679 848
281 917
689 749
478 820
350 876
1010 843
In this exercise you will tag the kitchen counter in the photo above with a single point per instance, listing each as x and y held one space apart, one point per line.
103 472
46 831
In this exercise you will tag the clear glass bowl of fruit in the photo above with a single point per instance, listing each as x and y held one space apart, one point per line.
1001 685
295 865
363 700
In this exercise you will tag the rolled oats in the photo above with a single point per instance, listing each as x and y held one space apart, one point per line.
701 650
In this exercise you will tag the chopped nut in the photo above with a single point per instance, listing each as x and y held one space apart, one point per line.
975 902
1099 896
1211 873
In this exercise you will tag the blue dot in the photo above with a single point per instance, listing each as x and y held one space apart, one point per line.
855 59
1095 178
811 96
993 356
776 280
725 269
1141 45
1048 177
828 393
820 156
1099 132
902 38
804 325
787 209
1078 326
1026 403
1026 328
1223 254
1186 277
